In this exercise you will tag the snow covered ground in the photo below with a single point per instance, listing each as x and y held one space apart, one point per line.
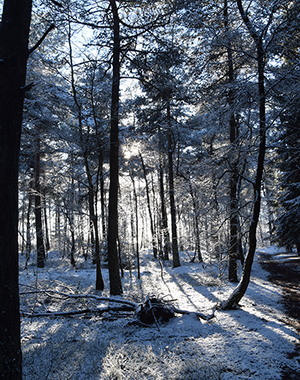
253 342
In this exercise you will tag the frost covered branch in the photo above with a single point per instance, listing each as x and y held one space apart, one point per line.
158 310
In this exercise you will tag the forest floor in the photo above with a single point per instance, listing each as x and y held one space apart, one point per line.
260 340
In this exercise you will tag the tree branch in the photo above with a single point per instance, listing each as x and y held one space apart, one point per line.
97 311
40 41
197 313
56 3
126 306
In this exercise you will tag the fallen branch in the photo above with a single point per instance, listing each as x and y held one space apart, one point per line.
91 296
153 310
97 311
197 313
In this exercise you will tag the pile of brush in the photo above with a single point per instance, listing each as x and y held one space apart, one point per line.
154 310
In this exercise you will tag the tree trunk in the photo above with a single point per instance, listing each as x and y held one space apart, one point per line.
58 225
38 206
102 198
164 233
154 246
28 227
94 221
240 290
93 217
72 251
196 224
176 260
136 227
47 242
14 31
112 236
233 241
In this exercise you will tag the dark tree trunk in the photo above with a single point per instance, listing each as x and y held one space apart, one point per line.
164 235
136 227
28 227
72 251
92 238
40 248
94 226
57 225
196 224
102 198
233 241
94 222
112 236
47 242
131 224
176 260
14 31
154 245
240 290
65 229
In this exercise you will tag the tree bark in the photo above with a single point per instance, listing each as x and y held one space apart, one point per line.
176 260
112 236
240 290
14 31
233 243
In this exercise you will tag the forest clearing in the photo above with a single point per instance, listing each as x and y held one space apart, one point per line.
256 341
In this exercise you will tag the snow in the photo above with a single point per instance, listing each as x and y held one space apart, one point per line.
253 342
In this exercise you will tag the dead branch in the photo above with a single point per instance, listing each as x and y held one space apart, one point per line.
40 41
197 313
97 311
92 296
56 3
153 310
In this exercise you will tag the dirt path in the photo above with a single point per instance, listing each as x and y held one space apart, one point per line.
284 271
